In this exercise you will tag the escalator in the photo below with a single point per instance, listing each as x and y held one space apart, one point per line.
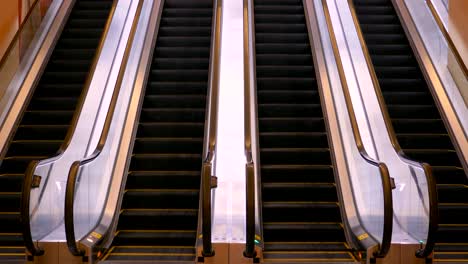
48 115
416 120
301 211
159 213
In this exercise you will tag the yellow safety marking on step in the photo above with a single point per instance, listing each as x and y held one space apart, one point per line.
363 236
96 235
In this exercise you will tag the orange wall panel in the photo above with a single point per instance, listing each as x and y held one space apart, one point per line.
8 23
458 26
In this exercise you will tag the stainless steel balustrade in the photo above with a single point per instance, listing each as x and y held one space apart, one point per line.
413 197
363 181
46 201
101 181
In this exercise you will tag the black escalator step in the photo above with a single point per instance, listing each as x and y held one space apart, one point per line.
92 33
407 125
188 4
15 254
453 213
293 140
289 110
186 21
41 132
285 96
297 173
277 2
53 103
182 42
294 232
436 157
168 145
155 237
10 222
165 161
75 54
176 101
173 115
161 198
182 255
10 202
9 239
279 9
284 71
188 12
294 192
402 84
301 211
171 130
449 174
424 141
287 83
279 48
163 179
94 14
377 39
184 31
374 10
284 38
450 247
59 90
162 219
87 22
278 18
56 120
280 28
39 147
381 28
392 60
178 52
93 5
452 193
312 256
11 182
283 59
60 64
385 49
174 75
284 124
309 246
379 19
407 97
179 87
296 156
453 233
50 77
18 164
413 111
181 64
397 71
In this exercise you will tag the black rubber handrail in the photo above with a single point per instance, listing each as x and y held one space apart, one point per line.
251 203
384 245
211 128
432 189
28 183
75 168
